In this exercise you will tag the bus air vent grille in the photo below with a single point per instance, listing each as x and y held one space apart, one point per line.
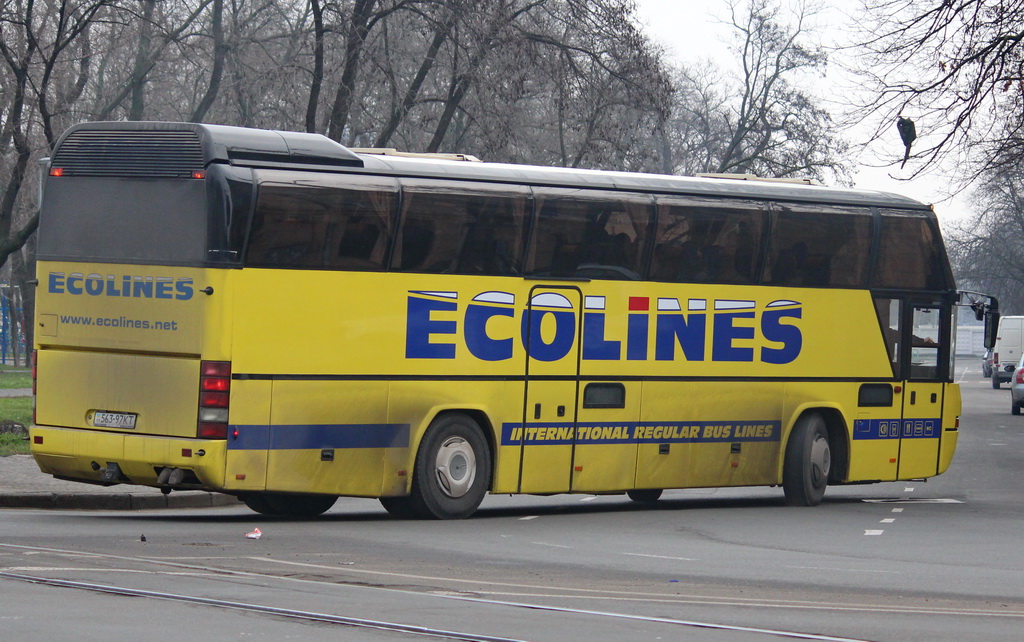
132 154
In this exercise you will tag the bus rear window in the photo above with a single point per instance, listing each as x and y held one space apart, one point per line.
124 220
340 222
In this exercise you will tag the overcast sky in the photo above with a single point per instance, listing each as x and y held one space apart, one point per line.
691 30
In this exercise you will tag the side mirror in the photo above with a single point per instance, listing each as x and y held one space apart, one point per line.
991 327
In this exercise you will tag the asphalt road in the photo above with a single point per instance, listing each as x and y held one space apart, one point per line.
936 560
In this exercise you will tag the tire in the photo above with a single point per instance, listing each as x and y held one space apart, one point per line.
644 495
453 469
400 507
996 383
289 505
808 462
1014 407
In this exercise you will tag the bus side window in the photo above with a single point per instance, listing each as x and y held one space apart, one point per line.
329 222
287 229
702 241
910 253
819 246
925 333
360 240
889 320
589 235
460 228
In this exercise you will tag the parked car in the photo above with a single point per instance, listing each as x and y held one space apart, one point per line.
986 364
1017 388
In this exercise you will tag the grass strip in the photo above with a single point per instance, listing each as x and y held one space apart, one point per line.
18 410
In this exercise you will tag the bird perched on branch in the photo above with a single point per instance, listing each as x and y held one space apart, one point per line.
908 133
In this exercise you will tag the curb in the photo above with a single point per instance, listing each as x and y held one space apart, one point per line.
115 501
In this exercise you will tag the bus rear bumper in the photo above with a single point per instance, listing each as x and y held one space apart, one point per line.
99 457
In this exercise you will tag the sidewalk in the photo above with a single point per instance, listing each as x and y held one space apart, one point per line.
22 485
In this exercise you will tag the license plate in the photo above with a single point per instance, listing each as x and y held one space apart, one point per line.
105 419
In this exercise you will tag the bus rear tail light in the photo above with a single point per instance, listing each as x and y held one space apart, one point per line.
214 397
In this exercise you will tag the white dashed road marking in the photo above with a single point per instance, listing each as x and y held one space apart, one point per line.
663 557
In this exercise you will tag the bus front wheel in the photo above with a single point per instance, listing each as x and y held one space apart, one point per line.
808 461
288 505
453 469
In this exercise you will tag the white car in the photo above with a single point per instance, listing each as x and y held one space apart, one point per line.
1017 388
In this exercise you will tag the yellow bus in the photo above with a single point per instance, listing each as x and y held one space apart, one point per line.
277 317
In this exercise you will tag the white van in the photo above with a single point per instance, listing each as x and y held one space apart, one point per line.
1007 350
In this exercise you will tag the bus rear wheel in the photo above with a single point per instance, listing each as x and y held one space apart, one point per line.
288 505
644 495
453 469
808 462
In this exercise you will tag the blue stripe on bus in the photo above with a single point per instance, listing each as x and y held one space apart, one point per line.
311 436
896 428
686 432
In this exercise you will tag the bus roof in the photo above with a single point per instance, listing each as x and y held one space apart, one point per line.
282 149
632 182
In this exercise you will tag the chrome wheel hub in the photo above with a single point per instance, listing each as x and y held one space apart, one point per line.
455 467
821 461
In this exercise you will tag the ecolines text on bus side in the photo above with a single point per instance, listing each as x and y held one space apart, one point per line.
678 332
140 287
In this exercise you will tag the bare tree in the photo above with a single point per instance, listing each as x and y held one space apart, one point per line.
442 29
987 250
155 32
956 67
360 21
761 121
776 128
316 80
36 41
219 54
695 133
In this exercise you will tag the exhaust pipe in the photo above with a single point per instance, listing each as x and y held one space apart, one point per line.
170 476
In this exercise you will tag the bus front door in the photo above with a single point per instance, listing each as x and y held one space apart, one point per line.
921 429
551 330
